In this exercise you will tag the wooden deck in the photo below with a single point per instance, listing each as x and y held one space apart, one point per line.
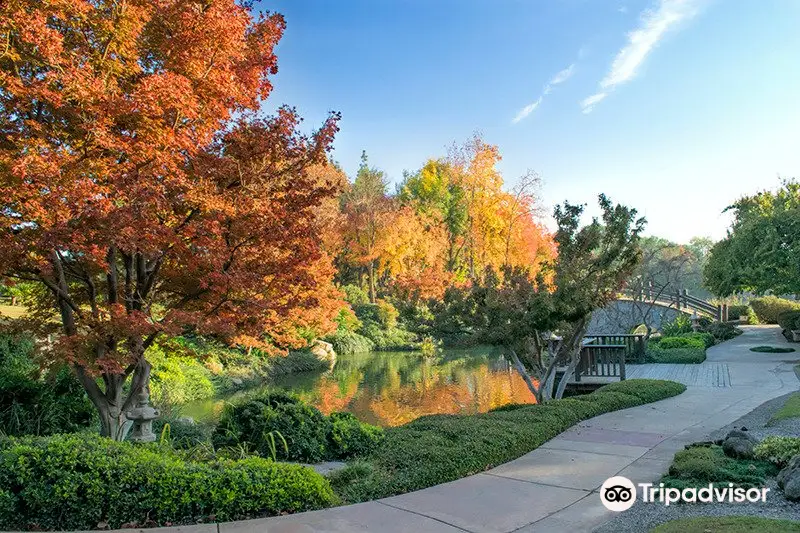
703 375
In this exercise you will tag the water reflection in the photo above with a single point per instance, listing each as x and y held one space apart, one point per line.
392 388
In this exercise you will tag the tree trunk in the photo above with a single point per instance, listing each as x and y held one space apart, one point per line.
110 404
372 297
523 372
573 348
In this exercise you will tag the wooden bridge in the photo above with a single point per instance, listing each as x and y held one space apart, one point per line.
680 300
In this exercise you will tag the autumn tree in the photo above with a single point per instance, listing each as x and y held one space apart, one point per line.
474 167
437 197
131 196
412 255
368 213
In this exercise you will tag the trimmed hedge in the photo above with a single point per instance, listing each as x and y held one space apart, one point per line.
768 308
310 436
668 343
677 350
440 448
83 482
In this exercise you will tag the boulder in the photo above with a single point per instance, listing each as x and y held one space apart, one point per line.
739 443
324 352
789 479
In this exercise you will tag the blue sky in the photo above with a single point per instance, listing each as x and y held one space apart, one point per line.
695 100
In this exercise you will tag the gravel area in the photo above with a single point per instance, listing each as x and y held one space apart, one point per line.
644 516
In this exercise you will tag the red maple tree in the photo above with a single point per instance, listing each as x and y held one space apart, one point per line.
142 193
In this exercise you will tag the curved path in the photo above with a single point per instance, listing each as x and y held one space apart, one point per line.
554 488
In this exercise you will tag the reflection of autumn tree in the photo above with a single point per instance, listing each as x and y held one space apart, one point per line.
450 392
389 389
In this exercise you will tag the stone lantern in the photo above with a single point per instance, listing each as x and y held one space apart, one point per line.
695 322
142 417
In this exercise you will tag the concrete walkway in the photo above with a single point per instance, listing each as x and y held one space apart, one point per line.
554 488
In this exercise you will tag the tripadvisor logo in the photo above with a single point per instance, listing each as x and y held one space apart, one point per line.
618 494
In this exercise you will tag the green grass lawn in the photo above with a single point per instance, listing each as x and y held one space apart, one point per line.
727 524
12 311
791 409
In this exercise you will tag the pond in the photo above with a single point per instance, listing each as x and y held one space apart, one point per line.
392 388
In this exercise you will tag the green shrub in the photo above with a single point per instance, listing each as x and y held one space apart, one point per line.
738 311
681 324
76 482
393 339
181 433
250 422
668 343
440 448
752 318
722 331
706 338
347 342
176 378
347 320
771 349
295 362
700 465
351 437
789 320
355 295
777 449
33 402
387 314
768 308
656 354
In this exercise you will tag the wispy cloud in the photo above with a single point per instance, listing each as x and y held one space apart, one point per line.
588 103
563 75
560 77
654 24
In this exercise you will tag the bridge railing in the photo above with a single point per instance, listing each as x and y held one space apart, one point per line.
681 300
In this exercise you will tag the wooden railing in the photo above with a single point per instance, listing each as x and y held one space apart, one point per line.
681 300
601 360
634 344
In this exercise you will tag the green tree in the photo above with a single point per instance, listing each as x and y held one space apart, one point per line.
761 252
594 261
